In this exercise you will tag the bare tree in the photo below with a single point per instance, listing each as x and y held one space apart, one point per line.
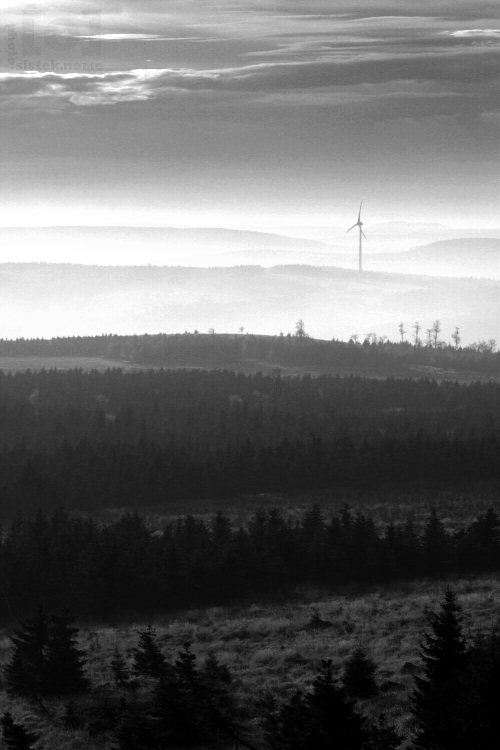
277 382
436 330
416 330
300 330
456 337
429 336
402 332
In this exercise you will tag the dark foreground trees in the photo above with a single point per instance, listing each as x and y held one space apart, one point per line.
180 702
15 736
453 700
46 659
440 695
319 719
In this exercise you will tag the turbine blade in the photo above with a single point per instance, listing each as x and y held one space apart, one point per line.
359 214
354 225
364 235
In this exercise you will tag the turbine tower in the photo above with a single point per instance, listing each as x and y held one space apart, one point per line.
359 224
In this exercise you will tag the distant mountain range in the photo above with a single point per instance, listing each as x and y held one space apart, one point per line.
164 246
161 246
64 299
474 257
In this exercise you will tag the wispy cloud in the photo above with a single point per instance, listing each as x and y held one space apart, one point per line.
476 33
134 37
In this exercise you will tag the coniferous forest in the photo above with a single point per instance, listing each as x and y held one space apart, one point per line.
94 467
90 440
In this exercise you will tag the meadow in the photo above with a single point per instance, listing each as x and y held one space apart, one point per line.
276 647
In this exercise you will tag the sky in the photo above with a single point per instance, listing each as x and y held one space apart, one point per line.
249 113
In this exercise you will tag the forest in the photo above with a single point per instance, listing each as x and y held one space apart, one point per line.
95 467
95 440
127 568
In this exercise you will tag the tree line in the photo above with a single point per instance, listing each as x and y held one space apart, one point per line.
127 568
360 354
153 701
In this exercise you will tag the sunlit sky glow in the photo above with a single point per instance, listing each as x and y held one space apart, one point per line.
249 113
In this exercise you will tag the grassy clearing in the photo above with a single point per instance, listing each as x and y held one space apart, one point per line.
21 364
273 647
456 507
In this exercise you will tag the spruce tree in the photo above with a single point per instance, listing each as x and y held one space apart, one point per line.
181 708
359 675
119 669
484 684
439 699
321 719
194 707
148 659
65 661
26 672
382 736
15 736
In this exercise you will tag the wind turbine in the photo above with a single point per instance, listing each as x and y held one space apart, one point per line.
359 224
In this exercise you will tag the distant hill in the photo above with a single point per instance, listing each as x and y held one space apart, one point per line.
468 257
155 245
63 299
250 353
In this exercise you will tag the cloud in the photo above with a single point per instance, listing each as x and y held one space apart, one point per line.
451 69
124 37
477 33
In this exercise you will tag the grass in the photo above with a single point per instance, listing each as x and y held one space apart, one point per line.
23 363
456 507
273 647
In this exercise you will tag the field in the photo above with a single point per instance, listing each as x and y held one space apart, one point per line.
275 647
21 364
248 366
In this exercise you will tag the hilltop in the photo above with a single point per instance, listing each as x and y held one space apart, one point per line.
247 353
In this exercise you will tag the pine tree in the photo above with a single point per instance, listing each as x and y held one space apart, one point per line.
148 659
26 673
439 698
359 675
382 736
194 707
15 736
119 669
484 684
319 720
221 709
435 546
65 661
